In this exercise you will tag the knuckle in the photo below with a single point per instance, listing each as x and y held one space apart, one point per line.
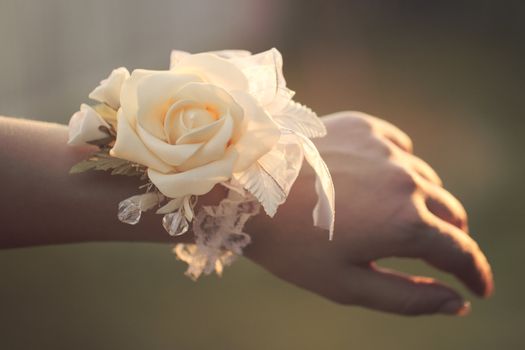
462 214
401 138
458 213
409 144
356 121
429 171
403 178
460 220
379 146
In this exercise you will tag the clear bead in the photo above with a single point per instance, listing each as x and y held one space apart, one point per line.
175 223
129 211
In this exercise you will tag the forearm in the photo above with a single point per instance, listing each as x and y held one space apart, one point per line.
43 204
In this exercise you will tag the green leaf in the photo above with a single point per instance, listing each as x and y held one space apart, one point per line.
103 161
82 166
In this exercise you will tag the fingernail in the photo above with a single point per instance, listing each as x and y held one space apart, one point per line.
455 307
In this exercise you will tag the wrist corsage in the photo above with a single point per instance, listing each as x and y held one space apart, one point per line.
215 118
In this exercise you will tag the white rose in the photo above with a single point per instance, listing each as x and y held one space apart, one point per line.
84 126
108 91
205 119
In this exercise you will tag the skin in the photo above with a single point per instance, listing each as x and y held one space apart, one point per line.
388 203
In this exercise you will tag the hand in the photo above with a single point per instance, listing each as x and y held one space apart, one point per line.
389 203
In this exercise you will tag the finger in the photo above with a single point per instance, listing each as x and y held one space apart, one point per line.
448 248
390 291
424 170
394 134
445 206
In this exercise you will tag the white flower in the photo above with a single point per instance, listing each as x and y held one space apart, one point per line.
263 74
214 117
192 126
84 126
108 91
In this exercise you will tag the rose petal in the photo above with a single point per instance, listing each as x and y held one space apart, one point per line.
213 69
202 134
209 94
217 99
214 148
155 96
107 113
174 126
195 181
84 126
176 56
173 155
130 147
109 89
260 135
128 94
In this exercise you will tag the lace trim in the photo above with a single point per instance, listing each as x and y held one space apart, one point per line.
219 236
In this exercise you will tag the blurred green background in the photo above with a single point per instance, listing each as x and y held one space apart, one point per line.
450 73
